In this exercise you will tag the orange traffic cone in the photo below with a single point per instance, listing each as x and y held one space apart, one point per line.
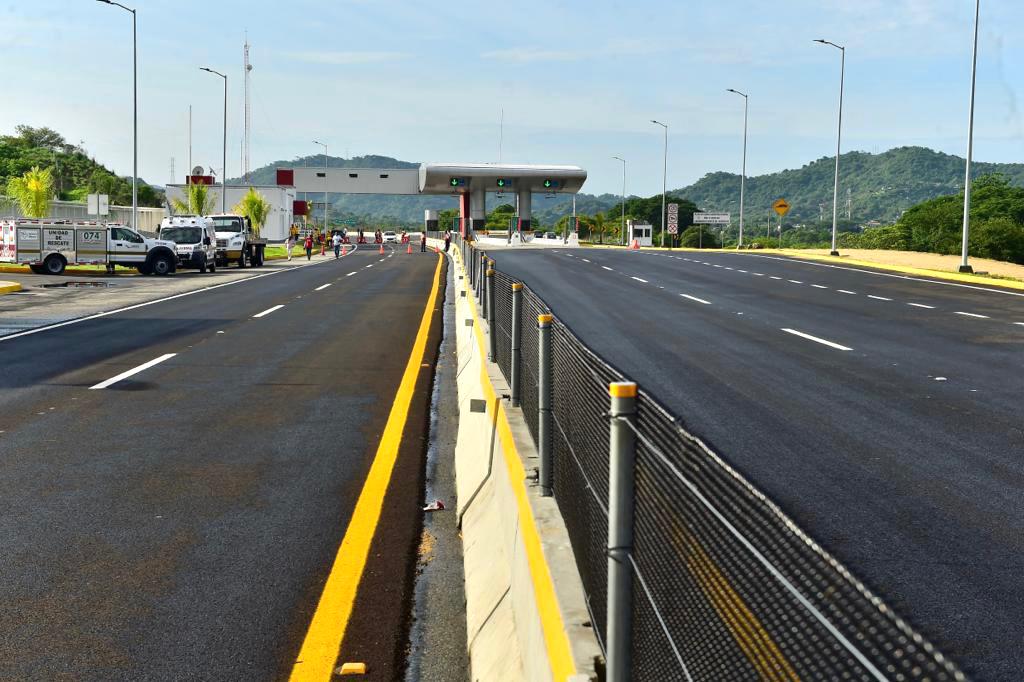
635 246
408 249
382 249
344 249
322 245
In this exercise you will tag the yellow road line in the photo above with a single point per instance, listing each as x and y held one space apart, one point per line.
320 648
556 639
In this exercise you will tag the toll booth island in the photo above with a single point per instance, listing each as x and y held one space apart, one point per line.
470 182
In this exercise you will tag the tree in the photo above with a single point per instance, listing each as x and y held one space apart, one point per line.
32 191
199 200
255 207
692 238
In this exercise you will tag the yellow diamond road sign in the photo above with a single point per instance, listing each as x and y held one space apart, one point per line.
781 206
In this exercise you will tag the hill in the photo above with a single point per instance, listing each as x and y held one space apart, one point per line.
75 174
881 186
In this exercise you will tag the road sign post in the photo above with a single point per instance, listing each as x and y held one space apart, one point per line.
673 219
781 207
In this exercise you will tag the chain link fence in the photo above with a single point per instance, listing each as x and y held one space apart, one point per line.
724 585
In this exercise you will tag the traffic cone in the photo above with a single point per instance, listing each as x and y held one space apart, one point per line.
408 248
344 249
322 245
635 246
382 249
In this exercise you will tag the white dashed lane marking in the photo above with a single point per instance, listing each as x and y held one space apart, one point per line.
694 298
607 268
844 291
824 342
322 287
879 298
981 317
640 280
268 311
132 372
796 281
819 286
922 305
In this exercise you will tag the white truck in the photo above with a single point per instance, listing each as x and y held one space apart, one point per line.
236 242
49 246
195 241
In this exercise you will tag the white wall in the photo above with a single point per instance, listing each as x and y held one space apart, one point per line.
281 204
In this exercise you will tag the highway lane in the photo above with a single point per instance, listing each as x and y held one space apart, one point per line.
886 420
180 523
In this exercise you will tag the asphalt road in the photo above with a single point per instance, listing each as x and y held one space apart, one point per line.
883 413
180 524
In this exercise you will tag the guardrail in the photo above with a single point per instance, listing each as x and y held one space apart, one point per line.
691 573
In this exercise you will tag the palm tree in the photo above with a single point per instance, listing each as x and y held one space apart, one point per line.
32 191
255 207
199 201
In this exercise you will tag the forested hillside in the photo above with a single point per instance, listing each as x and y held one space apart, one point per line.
881 186
75 174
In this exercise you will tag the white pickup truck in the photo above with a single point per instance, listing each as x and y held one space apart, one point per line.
49 246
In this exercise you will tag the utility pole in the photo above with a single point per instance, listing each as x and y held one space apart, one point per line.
664 185
839 137
625 239
743 177
964 265
224 170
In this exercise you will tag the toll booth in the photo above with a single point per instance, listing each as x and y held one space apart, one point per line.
641 233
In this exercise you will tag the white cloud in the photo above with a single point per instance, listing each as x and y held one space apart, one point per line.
345 58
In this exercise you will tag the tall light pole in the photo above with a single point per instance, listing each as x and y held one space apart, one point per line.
135 115
325 184
664 183
224 170
625 239
743 177
839 137
964 265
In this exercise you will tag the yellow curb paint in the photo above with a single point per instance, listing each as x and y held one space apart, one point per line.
909 270
9 287
556 640
322 644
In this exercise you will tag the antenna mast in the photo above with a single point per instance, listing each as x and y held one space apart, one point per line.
248 113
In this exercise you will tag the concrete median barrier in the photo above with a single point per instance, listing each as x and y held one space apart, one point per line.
525 606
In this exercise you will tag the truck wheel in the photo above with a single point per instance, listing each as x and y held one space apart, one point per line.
161 265
144 269
259 258
243 260
54 265
213 266
37 269
202 269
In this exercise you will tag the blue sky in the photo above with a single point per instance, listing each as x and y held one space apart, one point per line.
578 81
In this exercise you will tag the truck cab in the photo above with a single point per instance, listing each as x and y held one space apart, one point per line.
195 240
236 241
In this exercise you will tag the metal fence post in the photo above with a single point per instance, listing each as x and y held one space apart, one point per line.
492 330
544 402
621 470
517 319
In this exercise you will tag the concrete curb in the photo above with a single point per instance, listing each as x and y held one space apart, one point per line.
9 287
526 609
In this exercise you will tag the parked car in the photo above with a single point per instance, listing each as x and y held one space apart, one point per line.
390 237
550 235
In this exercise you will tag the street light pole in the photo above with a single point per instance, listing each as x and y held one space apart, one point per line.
743 177
325 185
224 169
839 137
135 114
664 184
964 265
625 239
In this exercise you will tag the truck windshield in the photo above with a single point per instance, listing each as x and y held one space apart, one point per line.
182 235
227 224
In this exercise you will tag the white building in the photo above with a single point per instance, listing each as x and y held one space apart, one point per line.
281 199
